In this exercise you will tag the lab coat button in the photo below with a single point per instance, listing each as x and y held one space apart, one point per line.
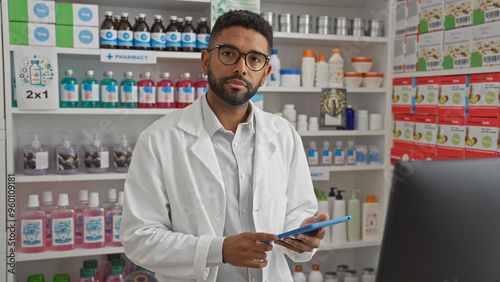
235 144
243 210
218 216
243 175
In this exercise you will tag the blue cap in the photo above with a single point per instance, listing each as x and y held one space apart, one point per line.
290 71
274 52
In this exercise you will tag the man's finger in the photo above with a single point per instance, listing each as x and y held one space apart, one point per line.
260 236
288 246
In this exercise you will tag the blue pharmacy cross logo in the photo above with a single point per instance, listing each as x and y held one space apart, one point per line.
187 37
109 34
144 37
41 34
85 36
94 228
85 14
111 89
173 37
117 228
126 36
63 231
32 230
109 56
41 10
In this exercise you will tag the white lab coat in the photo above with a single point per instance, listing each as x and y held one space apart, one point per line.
175 201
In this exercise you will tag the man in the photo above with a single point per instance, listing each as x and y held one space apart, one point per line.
210 182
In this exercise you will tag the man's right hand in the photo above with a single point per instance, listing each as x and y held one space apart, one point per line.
246 250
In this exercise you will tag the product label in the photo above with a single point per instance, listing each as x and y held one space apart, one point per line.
483 97
403 95
431 15
173 39
457 48
147 94
142 39
427 96
339 157
36 160
336 72
430 51
399 155
66 161
125 38
97 159
400 19
69 92
451 136
351 157
48 226
481 135
200 91
425 133
90 92
63 231
202 41
410 56
158 40
79 224
189 40
458 13
312 157
327 157
109 37
453 98
109 93
109 223
485 45
371 224
128 94
403 131
412 20
117 221
93 229
32 233
186 94
165 94
398 55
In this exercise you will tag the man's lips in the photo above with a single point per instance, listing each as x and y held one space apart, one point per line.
236 83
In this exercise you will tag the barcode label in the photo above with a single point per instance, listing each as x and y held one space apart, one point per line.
435 25
411 67
491 59
492 15
412 29
463 20
397 68
461 62
400 32
433 64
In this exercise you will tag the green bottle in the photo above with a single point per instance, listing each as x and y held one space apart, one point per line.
128 91
87 272
109 91
36 278
61 278
69 91
90 91
14 95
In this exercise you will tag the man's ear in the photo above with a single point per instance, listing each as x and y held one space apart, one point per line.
267 71
205 57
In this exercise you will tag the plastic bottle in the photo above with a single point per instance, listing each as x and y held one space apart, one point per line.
108 32
97 155
354 210
32 228
122 154
69 91
111 257
47 207
66 156
201 86
324 207
93 224
14 93
331 201
83 202
115 274
302 123
158 39
315 275
202 35
339 230
35 73
109 91
326 154
36 278
116 220
184 92
370 224
87 275
335 70
351 153
298 275
62 277
362 120
125 33
331 277
313 124
142 35
361 153
339 154
92 264
308 68
147 91
341 272
188 41
36 157
350 276
128 91
290 114
173 35
274 78
321 77
109 205
350 118
63 225
312 154
368 275
165 92
90 91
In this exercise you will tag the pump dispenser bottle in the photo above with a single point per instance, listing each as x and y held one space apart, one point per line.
354 210
66 157
93 224
331 201
32 229
36 157
339 230
122 154
97 155
63 225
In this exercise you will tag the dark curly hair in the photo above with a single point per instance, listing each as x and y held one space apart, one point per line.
245 19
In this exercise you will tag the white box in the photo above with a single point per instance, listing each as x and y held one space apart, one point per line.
77 36
412 21
400 18
410 58
35 11
458 13
77 14
486 11
457 48
431 15
32 34
430 51
398 56
486 45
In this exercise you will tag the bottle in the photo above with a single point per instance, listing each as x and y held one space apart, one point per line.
158 39
313 124
184 92
69 91
302 123
109 205
87 275
147 91
374 154
335 70
351 153
290 114
116 21
331 277
188 41
368 275
111 257
35 73
173 35
66 156
115 274
341 272
125 33
135 24
92 264
362 120
141 273
324 207
108 32
339 154
97 155
83 202
354 210
321 77
36 157
47 207
361 153
202 35
370 224
274 78
116 220
109 91
308 68
165 92
201 86
33 227
63 277
122 154
331 201
36 278
128 91
93 224
14 93
312 154
339 230
118 262
326 154
63 225
180 25
90 91
298 275
315 275
142 35
350 118
350 276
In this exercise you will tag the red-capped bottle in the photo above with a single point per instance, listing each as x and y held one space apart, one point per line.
165 92
147 93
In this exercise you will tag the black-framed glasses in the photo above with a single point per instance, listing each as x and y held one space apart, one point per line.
229 55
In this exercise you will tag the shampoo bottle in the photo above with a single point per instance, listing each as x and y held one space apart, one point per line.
36 157
63 225
339 230
354 210
370 225
315 275
298 275
331 201
33 227
323 207
66 157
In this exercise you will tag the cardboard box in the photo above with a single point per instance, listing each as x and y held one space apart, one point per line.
457 48
77 36
77 14
425 133
458 13
400 18
398 154
485 11
430 51
402 133
486 45
333 107
454 96
422 156
444 158
426 98
403 95
481 135
32 34
412 22
35 11
431 15
451 137
410 59
483 96
398 56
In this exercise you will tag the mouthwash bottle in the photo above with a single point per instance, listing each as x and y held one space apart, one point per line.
36 278
108 206
48 207
184 95
165 92
109 91
63 225
128 91
147 91
33 228
92 264
87 275
90 91
115 274
116 221
93 224
69 91
62 277
83 202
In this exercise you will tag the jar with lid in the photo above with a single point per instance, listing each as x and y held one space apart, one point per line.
290 114
286 22
343 26
305 24
269 17
362 120
324 25
358 27
302 123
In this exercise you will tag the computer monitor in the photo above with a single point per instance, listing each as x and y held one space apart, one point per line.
443 223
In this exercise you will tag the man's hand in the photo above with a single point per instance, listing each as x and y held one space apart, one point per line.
246 250
308 241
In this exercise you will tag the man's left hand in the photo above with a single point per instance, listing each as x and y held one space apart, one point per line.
308 241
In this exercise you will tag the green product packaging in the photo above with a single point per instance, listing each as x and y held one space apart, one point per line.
32 11
77 36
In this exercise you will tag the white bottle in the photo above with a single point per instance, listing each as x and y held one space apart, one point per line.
331 201
321 79
290 114
354 210
331 277
351 153
302 123
351 276
361 120
370 227
335 70
326 154
339 230
298 275
315 275
341 271
368 275
324 207
313 124
308 68
274 78
313 154
339 151
48 206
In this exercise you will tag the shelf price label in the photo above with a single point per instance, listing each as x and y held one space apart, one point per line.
36 78
320 174
128 56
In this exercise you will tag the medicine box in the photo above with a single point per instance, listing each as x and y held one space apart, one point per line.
431 15
426 98
485 11
34 11
457 48
35 34
454 96
486 45
425 133
410 58
451 137
403 95
458 13
483 97
422 156
430 51
412 21
398 154
77 36
481 137
402 132
400 18
77 14
398 56
333 107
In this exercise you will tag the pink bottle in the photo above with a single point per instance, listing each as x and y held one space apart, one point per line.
87 275
116 220
147 93
165 92
115 274
184 92
33 227
63 225
93 224
201 86
83 202
109 205
47 207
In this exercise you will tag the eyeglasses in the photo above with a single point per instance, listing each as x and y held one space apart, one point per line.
229 56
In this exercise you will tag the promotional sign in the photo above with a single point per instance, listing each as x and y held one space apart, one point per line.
127 56
219 7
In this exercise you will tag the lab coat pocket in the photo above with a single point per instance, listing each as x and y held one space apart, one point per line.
276 214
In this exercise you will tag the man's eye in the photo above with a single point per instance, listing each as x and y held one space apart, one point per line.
255 58
227 53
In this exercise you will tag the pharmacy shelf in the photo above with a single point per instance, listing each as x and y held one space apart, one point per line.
191 5
447 72
339 133
336 3
81 176
283 89
94 111
349 245
296 38
78 252
322 169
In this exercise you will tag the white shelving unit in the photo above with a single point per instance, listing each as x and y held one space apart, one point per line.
349 245
448 72
357 90
78 252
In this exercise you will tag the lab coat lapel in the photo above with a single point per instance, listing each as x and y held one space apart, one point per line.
264 145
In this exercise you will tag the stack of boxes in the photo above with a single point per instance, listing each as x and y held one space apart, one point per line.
77 25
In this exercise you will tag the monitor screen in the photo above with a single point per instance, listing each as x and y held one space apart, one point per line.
443 222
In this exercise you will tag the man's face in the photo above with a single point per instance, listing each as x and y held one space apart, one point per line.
235 84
